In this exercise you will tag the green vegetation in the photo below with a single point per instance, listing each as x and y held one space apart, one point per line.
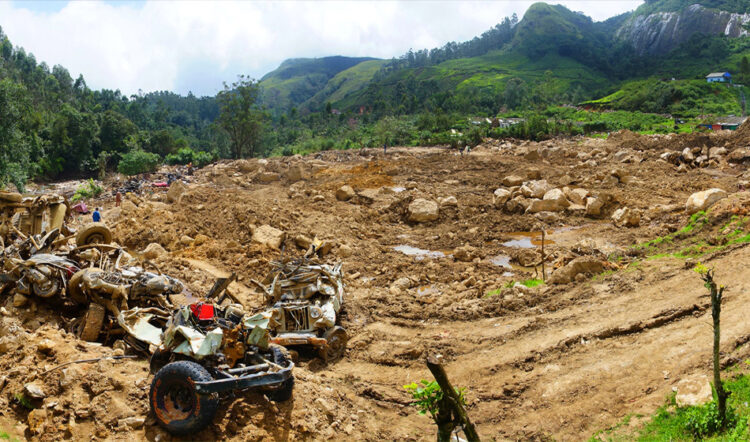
138 161
651 6
187 155
87 190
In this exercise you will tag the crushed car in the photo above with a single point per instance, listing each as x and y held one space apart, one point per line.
304 300
207 350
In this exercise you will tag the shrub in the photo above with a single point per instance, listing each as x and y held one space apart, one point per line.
88 189
138 161
187 155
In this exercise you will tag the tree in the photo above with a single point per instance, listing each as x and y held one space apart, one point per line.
240 116
14 143
717 293
745 69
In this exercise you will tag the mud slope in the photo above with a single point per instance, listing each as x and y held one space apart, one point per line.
558 360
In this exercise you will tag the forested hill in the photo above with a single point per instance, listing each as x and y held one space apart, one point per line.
552 55
52 125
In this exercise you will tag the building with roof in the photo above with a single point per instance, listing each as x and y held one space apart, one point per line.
719 77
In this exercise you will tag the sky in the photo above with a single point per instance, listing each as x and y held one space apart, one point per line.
194 46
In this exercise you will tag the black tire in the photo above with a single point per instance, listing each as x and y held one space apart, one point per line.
337 339
284 391
48 289
94 233
92 322
175 403
75 292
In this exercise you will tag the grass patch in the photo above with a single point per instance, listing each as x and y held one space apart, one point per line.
531 283
603 274
493 293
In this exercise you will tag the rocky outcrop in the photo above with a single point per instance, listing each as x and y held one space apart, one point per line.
661 32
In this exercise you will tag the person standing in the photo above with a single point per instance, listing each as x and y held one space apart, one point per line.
96 215
118 199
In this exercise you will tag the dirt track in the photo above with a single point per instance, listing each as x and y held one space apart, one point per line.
560 361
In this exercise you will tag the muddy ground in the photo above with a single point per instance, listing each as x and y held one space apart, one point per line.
559 361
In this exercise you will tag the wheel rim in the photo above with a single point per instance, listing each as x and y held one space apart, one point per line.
179 401
336 346
95 238
46 289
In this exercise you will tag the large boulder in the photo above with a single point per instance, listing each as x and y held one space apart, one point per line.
512 180
295 173
558 197
154 251
703 200
448 201
693 391
345 193
175 191
500 197
626 217
269 236
422 211
268 177
535 189
583 265
577 196
594 206
537 206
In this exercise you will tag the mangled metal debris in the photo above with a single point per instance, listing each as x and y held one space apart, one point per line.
304 299
205 350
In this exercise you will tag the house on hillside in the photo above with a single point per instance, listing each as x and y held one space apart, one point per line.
725 123
719 77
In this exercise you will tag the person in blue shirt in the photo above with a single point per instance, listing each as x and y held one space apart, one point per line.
97 216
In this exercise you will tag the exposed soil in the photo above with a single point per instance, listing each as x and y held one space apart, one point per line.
558 361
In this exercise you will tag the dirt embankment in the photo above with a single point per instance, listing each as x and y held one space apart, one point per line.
558 360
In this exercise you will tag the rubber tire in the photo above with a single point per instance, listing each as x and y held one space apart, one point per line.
94 233
330 354
182 374
284 392
52 291
92 322
74 287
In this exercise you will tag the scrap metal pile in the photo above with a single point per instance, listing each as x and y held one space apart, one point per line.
198 351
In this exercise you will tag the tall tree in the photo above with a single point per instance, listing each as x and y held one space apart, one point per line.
241 117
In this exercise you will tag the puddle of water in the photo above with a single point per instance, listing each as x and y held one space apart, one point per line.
418 253
501 261
526 240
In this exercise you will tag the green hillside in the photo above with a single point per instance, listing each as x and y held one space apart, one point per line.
296 80
652 6
346 83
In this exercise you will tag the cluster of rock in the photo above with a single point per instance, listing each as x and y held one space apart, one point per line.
536 196
694 157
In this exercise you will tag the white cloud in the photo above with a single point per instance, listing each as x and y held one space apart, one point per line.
194 45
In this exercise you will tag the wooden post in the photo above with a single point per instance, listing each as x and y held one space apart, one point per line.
544 273
450 405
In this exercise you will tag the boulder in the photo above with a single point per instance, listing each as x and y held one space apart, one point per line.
594 206
303 242
534 174
537 206
739 155
512 180
703 200
200 239
577 196
585 265
422 211
558 197
295 173
535 189
466 253
20 300
345 251
626 217
500 197
268 177
621 155
448 201
269 236
34 391
692 391
154 251
345 193
687 155
532 155
548 217
175 191
185 240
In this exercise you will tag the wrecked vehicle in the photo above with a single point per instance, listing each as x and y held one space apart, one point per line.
305 300
116 290
24 216
44 275
207 350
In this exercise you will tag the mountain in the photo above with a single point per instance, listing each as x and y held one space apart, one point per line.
658 27
299 79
